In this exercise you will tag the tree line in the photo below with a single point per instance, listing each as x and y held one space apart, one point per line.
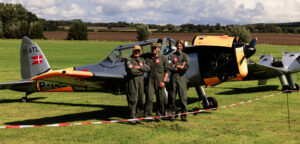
16 22
293 28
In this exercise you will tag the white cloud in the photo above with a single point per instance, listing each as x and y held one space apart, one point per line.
167 11
73 11
41 3
118 6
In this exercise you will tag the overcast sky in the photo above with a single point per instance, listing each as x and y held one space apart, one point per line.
167 11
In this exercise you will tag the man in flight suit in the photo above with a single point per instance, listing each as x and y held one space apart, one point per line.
135 67
157 77
179 64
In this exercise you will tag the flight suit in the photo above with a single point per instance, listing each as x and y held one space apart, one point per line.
178 82
135 85
158 67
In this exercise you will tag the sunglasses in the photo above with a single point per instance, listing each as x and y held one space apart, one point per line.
137 51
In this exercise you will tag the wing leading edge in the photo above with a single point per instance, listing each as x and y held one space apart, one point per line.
258 71
80 81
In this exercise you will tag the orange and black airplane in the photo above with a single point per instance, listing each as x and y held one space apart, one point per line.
214 59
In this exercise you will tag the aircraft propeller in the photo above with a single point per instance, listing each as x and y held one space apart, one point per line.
249 50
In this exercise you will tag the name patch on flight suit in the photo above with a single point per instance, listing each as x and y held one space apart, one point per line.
141 64
157 60
129 65
175 59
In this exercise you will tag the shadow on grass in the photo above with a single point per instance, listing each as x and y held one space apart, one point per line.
248 90
107 112
19 100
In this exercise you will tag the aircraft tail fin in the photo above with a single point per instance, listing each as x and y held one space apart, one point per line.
33 60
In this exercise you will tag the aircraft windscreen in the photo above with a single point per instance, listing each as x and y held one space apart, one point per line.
115 56
169 47
121 54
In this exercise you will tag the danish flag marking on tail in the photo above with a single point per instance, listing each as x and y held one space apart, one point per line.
37 59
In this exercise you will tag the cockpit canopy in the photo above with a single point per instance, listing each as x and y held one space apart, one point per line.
120 53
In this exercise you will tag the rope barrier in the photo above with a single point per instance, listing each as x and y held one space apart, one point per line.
139 119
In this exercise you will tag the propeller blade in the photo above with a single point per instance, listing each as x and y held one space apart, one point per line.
249 50
253 43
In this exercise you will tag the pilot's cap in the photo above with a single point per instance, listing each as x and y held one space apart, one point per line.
154 45
137 47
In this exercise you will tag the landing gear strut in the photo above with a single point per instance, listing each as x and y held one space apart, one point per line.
208 102
25 99
288 83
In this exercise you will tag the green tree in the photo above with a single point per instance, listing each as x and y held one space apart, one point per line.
11 30
218 27
109 26
143 32
35 30
171 28
50 25
1 30
200 28
297 30
239 31
212 29
31 17
291 30
78 31
15 20
260 27
23 29
251 28
161 28
277 29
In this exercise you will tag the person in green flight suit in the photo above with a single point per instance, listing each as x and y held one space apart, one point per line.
135 67
157 77
179 65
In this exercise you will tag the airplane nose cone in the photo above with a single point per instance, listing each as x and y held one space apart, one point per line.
26 40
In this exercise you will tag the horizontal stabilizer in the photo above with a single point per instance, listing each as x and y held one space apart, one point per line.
23 86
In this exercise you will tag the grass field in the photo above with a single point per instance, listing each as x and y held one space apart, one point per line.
262 121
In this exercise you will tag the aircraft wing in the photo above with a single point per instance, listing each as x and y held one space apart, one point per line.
69 80
23 85
258 71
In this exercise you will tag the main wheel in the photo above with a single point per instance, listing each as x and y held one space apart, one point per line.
286 89
24 99
297 87
213 103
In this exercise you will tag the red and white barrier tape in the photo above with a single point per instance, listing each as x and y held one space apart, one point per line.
137 119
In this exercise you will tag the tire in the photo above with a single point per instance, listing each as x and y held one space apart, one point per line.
297 87
286 89
213 103
24 99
